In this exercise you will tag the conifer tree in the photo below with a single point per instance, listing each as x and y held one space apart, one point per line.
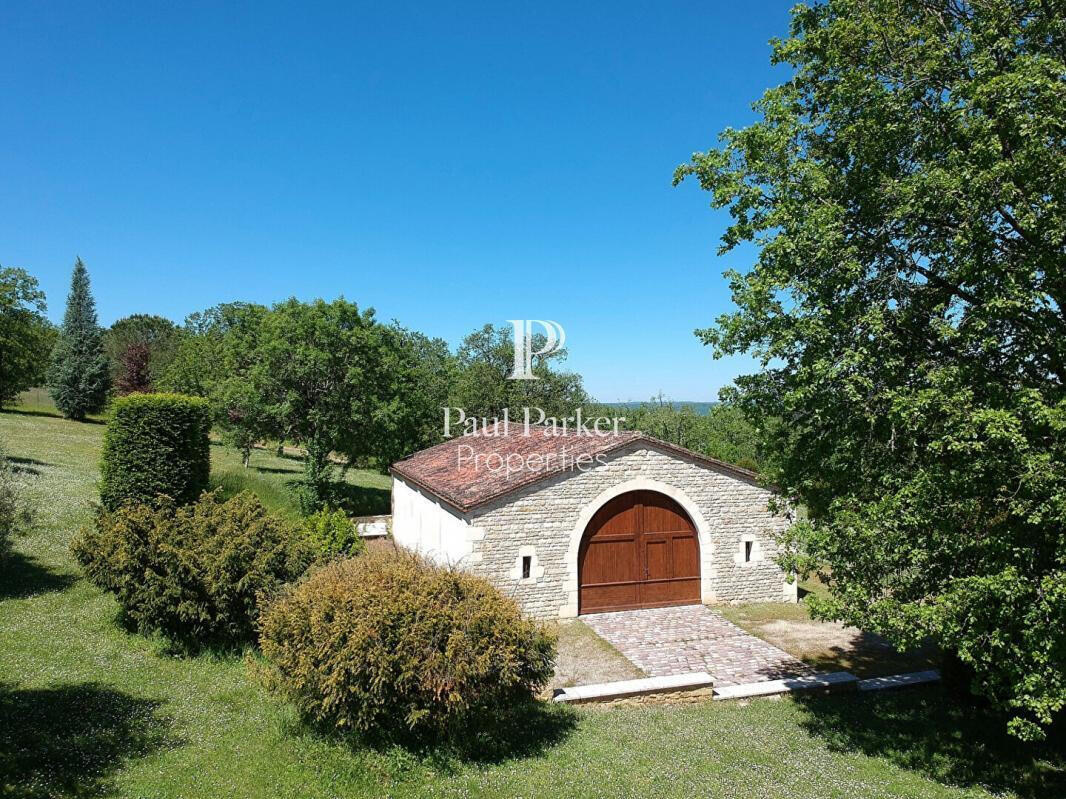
79 378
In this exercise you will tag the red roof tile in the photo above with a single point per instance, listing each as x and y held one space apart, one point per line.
471 470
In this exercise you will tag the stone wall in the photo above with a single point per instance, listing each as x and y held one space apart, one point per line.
545 521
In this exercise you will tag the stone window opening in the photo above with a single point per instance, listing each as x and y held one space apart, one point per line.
527 569
748 551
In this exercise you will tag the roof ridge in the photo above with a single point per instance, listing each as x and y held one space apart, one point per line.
473 490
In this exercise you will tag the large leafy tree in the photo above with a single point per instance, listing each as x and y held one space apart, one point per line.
207 344
25 335
482 386
328 373
139 348
79 378
421 372
906 189
213 357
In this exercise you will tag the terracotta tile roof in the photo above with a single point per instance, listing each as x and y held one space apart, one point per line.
471 470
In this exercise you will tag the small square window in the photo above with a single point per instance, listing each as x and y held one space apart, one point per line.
748 546
527 565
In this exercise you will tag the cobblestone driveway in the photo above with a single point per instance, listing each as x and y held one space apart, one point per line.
663 641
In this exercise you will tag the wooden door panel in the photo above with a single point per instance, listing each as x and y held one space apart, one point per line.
663 517
657 559
617 517
685 552
662 593
597 598
639 550
610 561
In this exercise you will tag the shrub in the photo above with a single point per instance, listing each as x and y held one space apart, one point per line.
196 573
387 642
332 533
16 511
155 444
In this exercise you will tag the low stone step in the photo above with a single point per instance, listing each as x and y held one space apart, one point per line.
834 680
899 680
695 684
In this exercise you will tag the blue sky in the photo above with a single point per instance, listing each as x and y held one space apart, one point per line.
447 164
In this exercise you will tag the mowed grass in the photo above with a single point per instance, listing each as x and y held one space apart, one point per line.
87 708
273 477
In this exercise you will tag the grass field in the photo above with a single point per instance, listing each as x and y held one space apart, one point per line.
89 709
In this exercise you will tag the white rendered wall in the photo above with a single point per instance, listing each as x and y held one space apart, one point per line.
424 525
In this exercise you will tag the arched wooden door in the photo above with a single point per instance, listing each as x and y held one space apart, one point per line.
640 550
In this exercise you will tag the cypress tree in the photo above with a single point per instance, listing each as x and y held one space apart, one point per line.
79 378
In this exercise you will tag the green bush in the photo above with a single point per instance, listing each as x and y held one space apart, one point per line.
155 444
387 642
332 533
196 573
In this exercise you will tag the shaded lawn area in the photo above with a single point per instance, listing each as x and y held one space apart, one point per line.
828 646
88 709
273 477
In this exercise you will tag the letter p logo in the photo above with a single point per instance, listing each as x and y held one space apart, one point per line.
555 338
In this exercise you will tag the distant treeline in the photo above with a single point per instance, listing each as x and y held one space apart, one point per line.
329 377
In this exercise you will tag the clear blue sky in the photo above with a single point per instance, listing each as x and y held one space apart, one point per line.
447 164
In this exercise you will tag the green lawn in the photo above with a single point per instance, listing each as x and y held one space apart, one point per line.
88 709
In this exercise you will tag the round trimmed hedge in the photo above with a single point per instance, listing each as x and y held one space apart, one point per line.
389 642
155 444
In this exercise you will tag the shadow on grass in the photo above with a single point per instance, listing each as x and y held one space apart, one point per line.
274 470
360 500
527 729
51 413
928 731
870 655
22 576
26 465
353 499
69 740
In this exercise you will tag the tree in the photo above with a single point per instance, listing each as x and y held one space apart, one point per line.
134 373
328 374
422 371
207 345
133 337
907 190
482 386
213 358
722 432
79 377
24 333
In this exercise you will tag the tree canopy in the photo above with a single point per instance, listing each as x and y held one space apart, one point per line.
483 388
722 432
906 188
25 335
139 348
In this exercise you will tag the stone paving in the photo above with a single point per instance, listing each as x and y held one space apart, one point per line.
680 640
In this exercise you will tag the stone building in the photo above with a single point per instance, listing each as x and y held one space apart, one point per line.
569 523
